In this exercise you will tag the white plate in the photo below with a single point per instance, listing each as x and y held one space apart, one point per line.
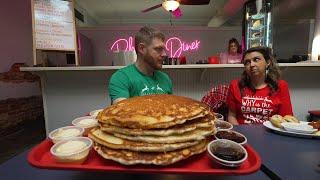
268 125
298 127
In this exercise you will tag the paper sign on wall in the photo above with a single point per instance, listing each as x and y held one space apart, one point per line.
54 25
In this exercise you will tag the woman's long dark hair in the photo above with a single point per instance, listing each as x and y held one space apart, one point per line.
273 69
234 40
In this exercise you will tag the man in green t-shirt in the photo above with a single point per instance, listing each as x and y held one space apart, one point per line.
143 77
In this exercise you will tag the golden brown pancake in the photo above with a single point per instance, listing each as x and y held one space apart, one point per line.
195 135
153 111
113 142
134 157
191 125
153 129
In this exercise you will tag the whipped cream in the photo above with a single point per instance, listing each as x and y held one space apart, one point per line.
70 147
64 133
87 122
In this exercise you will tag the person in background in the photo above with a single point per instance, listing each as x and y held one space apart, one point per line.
259 93
233 56
143 77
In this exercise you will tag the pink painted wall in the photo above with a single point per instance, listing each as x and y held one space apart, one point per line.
16 46
213 40
15 33
16 37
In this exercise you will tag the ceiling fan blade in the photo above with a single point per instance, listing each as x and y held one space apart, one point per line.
177 13
151 8
194 2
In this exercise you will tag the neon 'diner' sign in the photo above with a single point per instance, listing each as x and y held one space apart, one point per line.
174 45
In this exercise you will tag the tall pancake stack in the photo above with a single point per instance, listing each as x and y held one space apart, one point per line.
153 129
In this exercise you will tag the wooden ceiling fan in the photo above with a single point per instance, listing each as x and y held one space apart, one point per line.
173 5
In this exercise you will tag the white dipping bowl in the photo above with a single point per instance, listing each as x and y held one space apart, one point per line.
233 132
78 156
223 125
86 122
65 133
219 116
226 143
95 112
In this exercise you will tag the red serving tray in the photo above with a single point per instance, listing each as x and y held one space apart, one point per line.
40 157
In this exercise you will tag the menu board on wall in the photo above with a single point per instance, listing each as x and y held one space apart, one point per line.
54 25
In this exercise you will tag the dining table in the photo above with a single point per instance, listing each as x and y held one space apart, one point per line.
287 157
283 157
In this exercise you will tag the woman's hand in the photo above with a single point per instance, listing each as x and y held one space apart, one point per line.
232 118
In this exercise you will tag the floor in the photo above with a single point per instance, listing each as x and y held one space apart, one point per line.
20 139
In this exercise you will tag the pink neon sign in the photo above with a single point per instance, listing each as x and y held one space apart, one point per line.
122 45
174 45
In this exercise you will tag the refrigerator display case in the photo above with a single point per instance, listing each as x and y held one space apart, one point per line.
257 23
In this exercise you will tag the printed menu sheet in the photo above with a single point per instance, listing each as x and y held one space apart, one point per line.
54 25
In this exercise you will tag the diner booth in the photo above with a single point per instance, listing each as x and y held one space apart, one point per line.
75 76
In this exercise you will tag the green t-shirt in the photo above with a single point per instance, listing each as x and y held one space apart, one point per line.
129 82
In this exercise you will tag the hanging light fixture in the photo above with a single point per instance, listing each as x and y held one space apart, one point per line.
170 5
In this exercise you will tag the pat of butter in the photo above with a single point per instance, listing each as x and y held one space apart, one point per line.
64 133
70 147
87 122
107 137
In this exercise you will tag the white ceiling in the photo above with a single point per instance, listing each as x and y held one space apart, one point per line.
216 13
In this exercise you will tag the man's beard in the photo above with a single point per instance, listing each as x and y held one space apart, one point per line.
152 62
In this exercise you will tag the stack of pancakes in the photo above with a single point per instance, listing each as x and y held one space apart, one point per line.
153 129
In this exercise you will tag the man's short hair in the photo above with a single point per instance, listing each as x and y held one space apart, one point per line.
145 35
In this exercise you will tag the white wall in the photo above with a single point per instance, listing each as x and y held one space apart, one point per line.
88 20
15 33
16 46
